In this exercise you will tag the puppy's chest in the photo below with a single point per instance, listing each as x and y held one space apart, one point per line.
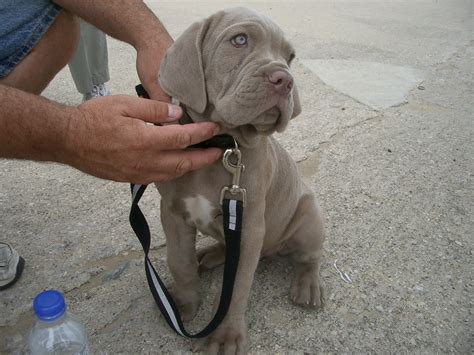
204 215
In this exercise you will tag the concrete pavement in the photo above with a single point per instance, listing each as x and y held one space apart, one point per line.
389 152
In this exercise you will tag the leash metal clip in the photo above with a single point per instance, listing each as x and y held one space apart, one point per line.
236 169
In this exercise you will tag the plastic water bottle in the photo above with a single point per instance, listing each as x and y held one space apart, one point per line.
55 330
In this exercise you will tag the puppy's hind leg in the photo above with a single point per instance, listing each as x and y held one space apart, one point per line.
182 262
305 248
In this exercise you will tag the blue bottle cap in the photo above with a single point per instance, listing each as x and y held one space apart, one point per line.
49 305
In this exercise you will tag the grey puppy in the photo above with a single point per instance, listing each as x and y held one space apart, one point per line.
233 68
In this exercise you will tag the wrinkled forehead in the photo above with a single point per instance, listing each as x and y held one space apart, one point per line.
242 14
247 17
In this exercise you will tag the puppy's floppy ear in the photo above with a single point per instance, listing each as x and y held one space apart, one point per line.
181 72
296 102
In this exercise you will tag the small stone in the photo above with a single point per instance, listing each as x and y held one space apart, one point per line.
458 242
421 87
379 308
96 270
115 274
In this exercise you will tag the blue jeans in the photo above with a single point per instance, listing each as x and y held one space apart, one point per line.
22 24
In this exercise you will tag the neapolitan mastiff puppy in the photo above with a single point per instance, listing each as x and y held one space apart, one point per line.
233 68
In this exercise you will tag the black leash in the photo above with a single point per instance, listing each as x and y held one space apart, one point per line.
232 209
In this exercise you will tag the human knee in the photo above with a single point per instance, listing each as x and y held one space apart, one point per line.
66 33
48 57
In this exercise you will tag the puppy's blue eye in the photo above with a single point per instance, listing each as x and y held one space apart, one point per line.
240 40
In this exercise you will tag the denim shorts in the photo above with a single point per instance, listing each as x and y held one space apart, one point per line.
22 24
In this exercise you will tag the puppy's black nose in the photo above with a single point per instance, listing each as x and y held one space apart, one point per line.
281 80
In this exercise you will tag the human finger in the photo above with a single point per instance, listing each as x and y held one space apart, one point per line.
170 165
151 111
178 162
173 137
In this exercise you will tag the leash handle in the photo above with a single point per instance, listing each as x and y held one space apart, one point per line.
232 215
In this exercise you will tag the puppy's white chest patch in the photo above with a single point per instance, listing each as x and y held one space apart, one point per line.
198 210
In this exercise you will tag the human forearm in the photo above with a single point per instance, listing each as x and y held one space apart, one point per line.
106 137
31 127
130 21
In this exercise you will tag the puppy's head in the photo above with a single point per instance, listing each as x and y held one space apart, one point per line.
234 68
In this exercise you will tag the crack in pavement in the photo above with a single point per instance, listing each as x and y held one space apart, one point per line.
310 166
121 318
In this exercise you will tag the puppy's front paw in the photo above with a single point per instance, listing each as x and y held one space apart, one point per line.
187 301
229 338
211 256
306 289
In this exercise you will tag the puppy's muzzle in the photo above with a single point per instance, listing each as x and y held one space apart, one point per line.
281 81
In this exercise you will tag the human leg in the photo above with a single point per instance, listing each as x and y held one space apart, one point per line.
32 74
89 64
97 54
47 58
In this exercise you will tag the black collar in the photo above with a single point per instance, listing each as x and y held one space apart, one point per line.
223 141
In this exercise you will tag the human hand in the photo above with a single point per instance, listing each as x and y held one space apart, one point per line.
109 138
148 64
